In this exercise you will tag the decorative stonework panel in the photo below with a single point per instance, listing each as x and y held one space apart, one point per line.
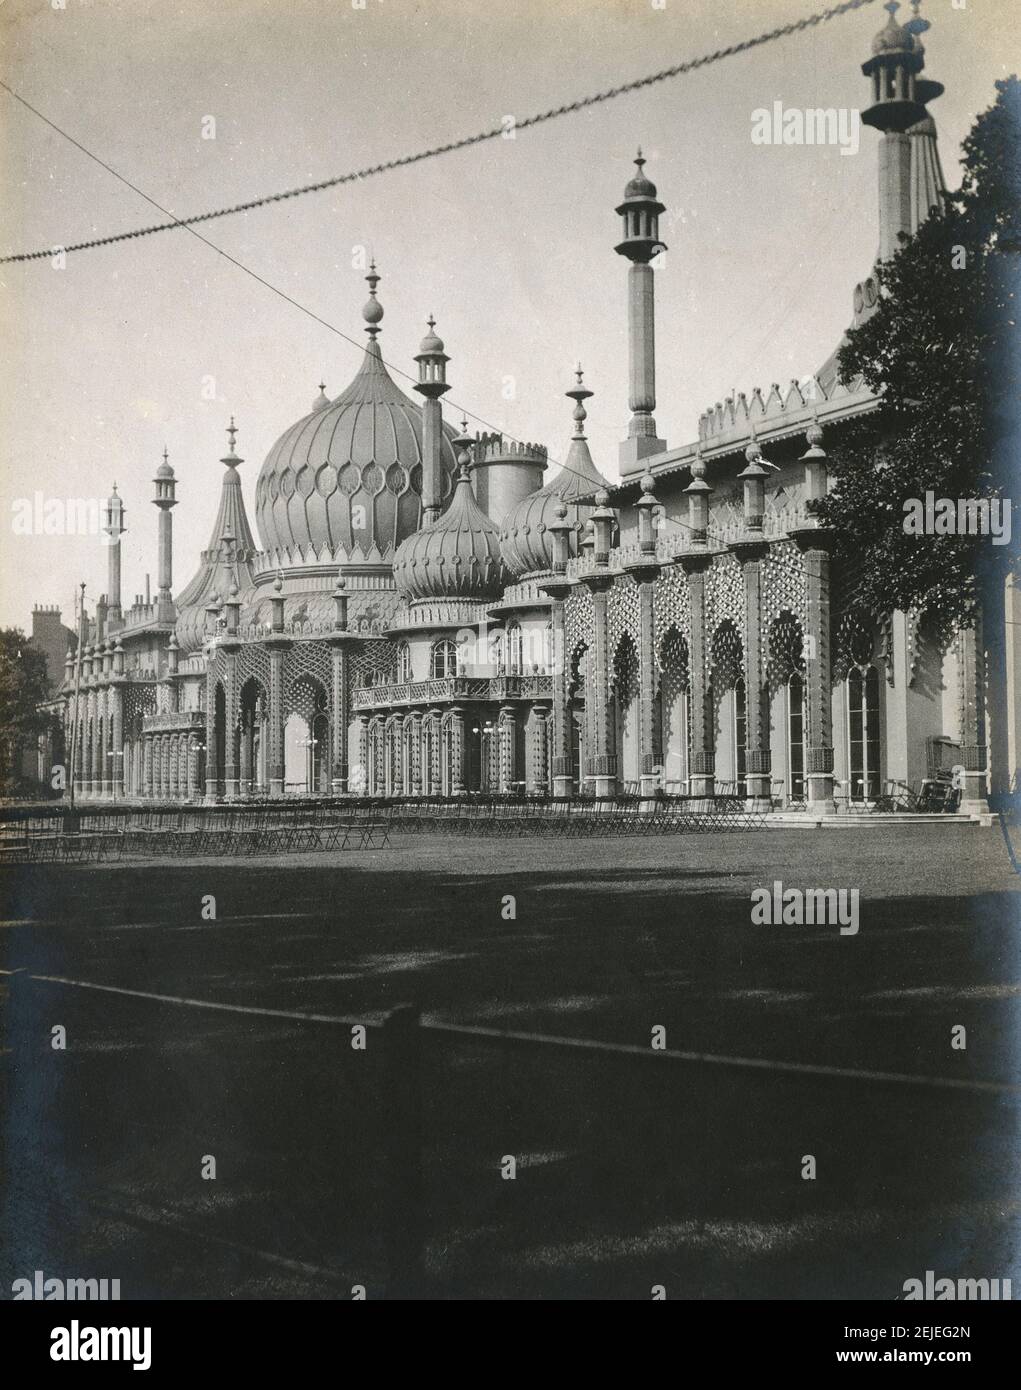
855 641
670 605
578 618
724 593
372 659
623 611
308 659
672 665
726 657
253 661
783 584
784 650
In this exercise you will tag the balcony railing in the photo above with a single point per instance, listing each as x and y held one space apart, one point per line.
452 688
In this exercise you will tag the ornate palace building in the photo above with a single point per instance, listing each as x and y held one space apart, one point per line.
431 612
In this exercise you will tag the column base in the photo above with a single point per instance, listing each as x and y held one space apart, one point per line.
276 786
702 784
819 795
605 786
563 786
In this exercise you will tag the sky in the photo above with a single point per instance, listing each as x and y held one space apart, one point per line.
156 342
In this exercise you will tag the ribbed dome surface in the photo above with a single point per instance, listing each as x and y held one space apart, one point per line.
458 556
358 459
525 540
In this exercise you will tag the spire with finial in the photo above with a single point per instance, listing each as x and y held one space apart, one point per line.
462 444
372 313
322 401
579 393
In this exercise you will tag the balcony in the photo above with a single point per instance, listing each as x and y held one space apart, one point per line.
451 689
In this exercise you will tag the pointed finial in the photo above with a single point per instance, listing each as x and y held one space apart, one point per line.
166 455
372 313
431 322
639 159
578 394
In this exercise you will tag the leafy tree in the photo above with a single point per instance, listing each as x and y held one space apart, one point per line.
23 687
941 350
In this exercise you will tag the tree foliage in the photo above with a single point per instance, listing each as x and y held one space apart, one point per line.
23 688
941 350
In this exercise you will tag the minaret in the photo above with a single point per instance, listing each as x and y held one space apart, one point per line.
640 215
165 501
113 527
432 384
899 96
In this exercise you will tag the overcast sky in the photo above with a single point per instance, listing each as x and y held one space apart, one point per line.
509 244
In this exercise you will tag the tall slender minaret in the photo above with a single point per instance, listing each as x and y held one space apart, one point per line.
165 500
639 213
432 384
899 96
113 528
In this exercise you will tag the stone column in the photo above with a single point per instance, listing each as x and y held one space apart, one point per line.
563 775
602 761
98 742
339 719
362 752
974 750
416 753
814 545
540 750
508 747
758 758
277 649
194 785
231 748
703 754
457 751
212 732
147 764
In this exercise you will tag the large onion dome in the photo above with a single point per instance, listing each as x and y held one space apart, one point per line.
456 556
525 540
347 478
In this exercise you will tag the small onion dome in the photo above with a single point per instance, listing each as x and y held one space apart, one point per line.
457 556
640 186
322 401
164 470
526 539
432 342
893 37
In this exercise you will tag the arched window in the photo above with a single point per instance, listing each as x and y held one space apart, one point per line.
514 649
403 663
796 738
547 650
740 737
863 732
444 659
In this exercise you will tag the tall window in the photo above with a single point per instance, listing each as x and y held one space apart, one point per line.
863 732
514 649
498 652
403 663
444 659
547 649
796 738
740 737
